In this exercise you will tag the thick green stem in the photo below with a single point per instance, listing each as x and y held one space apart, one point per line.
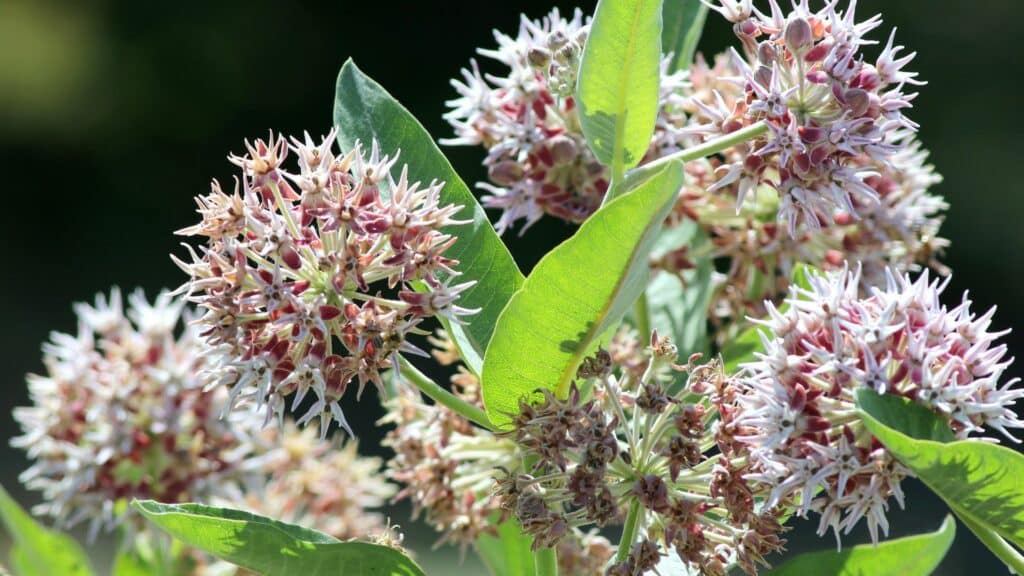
629 531
713 146
643 317
438 394
546 562
1000 547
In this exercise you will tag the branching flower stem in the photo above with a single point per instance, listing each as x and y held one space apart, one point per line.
438 394
629 531
713 146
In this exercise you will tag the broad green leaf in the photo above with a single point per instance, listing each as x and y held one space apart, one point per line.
680 308
576 292
273 548
363 112
129 564
39 551
509 554
747 343
917 555
982 482
617 90
683 24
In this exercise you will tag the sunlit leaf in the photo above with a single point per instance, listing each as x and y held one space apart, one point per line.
617 90
980 481
273 548
917 555
39 551
577 292
363 112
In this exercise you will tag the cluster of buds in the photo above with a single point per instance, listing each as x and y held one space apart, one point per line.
537 159
640 443
793 408
323 485
121 414
444 463
895 226
802 73
291 275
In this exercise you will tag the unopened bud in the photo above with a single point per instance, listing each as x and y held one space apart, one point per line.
799 36
505 172
538 57
563 149
556 40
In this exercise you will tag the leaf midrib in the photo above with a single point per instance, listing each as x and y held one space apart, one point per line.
619 153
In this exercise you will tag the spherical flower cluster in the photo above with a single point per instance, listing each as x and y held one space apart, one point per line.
537 159
639 446
291 275
793 409
896 228
444 463
121 414
323 485
803 74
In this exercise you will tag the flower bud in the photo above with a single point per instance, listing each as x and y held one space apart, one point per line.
505 173
798 36
563 149
556 40
539 58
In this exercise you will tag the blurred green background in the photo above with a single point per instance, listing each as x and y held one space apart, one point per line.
114 114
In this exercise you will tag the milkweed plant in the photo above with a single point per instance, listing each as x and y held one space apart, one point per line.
746 332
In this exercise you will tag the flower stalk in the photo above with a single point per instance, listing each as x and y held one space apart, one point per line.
435 392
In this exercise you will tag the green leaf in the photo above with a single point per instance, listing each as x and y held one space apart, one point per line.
39 551
363 112
576 292
509 554
617 89
130 564
917 555
273 548
683 24
982 482
680 308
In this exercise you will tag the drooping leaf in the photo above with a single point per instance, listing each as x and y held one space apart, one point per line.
980 481
917 555
363 112
509 554
683 25
617 91
679 308
576 292
273 548
39 551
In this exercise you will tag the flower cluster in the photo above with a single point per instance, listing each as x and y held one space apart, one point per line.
537 159
317 484
793 409
803 74
445 464
291 275
121 414
642 446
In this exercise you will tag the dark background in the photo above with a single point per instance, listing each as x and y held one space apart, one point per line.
114 114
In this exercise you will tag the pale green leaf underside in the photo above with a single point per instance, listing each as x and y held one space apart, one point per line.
617 89
509 554
679 308
39 551
683 24
576 293
917 555
273 548
364 111
978 480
